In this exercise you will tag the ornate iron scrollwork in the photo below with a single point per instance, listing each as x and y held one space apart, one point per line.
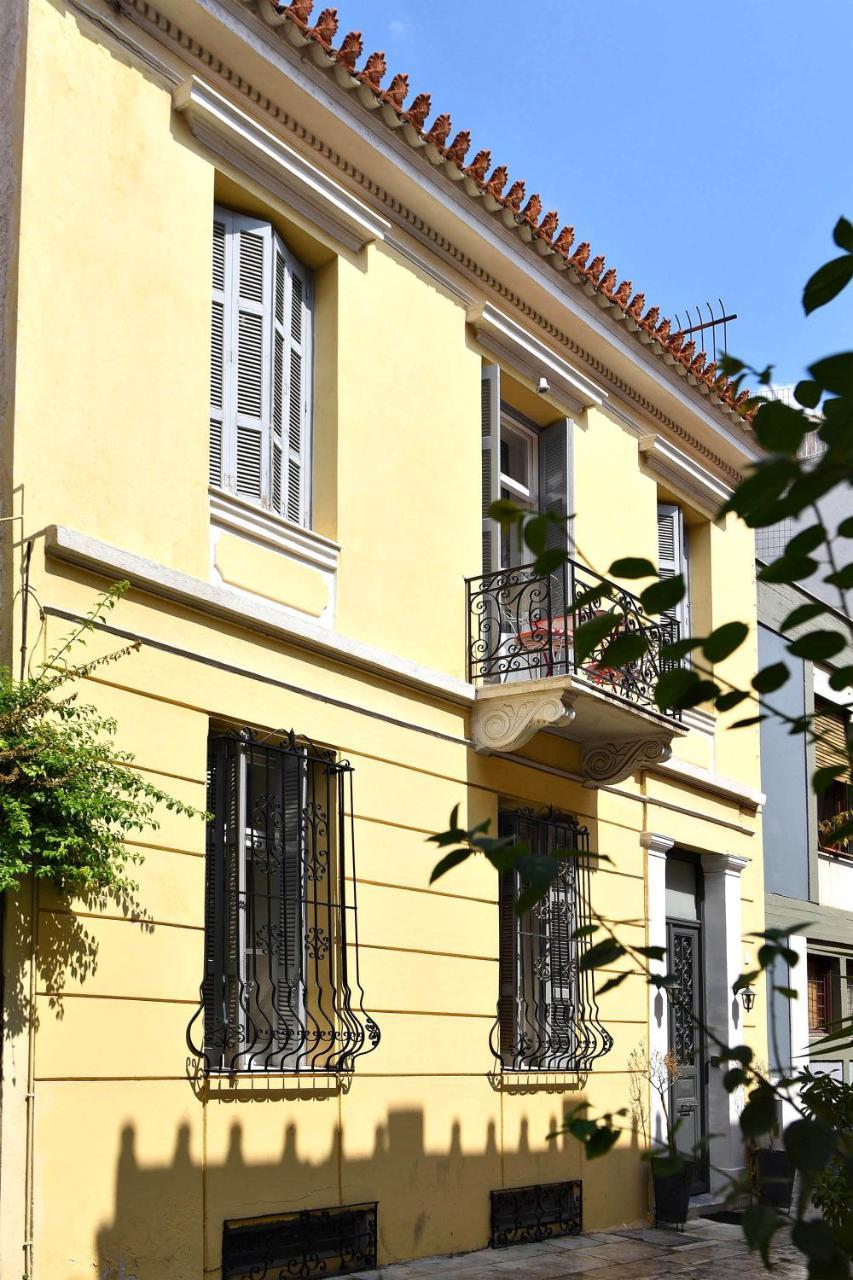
526 1215
683 995
521 625
547 1012
304 1244
281 988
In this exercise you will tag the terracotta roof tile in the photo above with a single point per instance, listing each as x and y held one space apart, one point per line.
293 19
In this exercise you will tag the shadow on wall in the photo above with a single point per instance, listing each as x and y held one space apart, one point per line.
429 1201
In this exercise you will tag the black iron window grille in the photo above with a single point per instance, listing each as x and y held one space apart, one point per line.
281 988
547 1012
526 1215
521 626
308 1242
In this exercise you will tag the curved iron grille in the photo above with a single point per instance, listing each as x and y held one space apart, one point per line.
281 988
547 1011
521 626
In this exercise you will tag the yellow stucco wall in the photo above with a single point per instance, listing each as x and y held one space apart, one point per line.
136 1162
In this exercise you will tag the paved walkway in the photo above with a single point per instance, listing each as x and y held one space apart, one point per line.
705 1249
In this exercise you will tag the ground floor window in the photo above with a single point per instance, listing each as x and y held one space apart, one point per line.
547 1013
281 988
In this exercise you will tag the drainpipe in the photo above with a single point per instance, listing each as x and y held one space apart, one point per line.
29 1181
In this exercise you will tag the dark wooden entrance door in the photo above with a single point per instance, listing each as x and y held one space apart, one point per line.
687 1044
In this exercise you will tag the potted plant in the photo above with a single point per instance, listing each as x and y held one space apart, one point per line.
672 1172
771 1169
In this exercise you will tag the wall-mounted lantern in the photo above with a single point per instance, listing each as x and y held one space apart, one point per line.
747 996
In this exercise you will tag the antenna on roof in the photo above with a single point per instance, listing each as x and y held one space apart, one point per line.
690 327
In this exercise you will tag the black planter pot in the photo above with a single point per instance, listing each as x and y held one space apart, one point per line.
672 1195
774 1178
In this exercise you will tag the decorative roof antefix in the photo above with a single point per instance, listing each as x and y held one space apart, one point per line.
597 279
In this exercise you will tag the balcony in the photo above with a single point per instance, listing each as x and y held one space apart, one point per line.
522 660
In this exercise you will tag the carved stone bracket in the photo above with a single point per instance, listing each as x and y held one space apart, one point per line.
504 721
604 762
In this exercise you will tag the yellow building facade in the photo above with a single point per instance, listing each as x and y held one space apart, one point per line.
297 504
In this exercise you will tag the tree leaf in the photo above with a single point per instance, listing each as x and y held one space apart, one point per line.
810 1145
807 393
841 679
823 778
808 540
589 635
624 649
779 427
835 373
771 678
803 613
724 640
748 722
680 648
842 578
817 645
615 981
601 954
788 569
843 234
702 691
448 862
845 529
760 1223
827 282
733 698
663 594
673 685
759 1115
633 567
600 1142
550 559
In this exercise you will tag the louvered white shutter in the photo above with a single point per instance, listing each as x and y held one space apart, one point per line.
673 559
219 345
291 373
251 283
490 412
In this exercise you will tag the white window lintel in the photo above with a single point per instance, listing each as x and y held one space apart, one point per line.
253 150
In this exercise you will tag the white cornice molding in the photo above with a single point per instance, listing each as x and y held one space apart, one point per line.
519 350
230 512
253 613
256 152
715 783
685 475
720 864
658 846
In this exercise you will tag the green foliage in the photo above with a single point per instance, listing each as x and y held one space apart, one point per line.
830 1102
68 798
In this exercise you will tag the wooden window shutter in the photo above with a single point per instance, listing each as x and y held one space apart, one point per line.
290 984
554 485
831 729
673 559
490 414
219 344
292 379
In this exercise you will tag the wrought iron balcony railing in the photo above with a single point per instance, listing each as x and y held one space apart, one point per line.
521 626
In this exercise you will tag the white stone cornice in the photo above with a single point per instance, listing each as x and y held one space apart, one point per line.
657 846
718 864
256 152
520 350
686 476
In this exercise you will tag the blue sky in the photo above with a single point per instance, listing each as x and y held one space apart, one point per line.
703 149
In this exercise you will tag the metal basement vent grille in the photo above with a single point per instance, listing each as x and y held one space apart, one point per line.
524 1215
311 1242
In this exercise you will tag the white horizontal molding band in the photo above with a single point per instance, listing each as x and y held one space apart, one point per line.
706 780
253 614
520 350
230 512
275 166
678 469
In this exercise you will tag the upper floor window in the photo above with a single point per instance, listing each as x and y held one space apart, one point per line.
260 368
281 988
834 802
674 558
547 1013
